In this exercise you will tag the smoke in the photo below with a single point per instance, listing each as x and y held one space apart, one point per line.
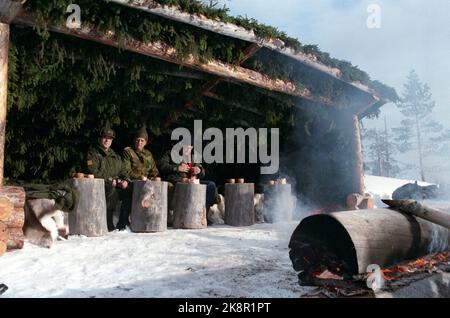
439 239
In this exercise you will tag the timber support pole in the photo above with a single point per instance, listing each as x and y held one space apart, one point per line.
4 48
358 172
8 11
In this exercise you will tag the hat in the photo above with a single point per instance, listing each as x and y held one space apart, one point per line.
107 133
141 133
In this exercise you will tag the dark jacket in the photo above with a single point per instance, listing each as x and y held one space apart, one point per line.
105 164
169 169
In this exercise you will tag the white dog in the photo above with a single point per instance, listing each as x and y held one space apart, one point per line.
43 222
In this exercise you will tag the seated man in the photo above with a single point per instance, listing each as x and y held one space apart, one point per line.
175 173
139 165
104 163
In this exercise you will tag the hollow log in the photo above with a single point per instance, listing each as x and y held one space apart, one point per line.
15 238
353 240
6 208
420 210
89 217
239 207
149 206
189 206
278 203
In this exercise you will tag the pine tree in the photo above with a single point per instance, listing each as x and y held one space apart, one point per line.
380 153
418 131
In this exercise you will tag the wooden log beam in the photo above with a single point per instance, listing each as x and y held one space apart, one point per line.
4 49
162 51
420 210
9 9
221 99
237 32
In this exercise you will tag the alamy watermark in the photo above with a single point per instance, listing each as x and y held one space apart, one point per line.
237 147
74 19
374 18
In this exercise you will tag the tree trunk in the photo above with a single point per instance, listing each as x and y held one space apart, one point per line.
15 238
422 211
149 206
189 206
239 207
6 208
278 203
4 48
89 218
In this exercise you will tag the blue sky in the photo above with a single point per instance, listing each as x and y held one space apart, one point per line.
414 34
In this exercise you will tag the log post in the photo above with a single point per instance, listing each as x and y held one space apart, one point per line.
4 48
189 206
12 202
15 238
89 217
278 203
239 207
149 206
358 171
8 11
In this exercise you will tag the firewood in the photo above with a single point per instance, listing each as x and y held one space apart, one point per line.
17 218
6 208
3 248
89 217
15 239
149 206
189 206
15 194
3 233
239 207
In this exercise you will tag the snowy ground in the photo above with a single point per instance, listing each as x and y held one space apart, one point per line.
220 261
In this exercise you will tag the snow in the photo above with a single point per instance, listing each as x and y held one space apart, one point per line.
220 261
383 187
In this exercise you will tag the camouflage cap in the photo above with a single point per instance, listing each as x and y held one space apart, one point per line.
107 133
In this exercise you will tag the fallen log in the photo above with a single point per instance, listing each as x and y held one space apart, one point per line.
15 238
422 211
350 241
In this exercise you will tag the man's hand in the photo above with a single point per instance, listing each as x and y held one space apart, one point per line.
183 168
114 183
196 170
